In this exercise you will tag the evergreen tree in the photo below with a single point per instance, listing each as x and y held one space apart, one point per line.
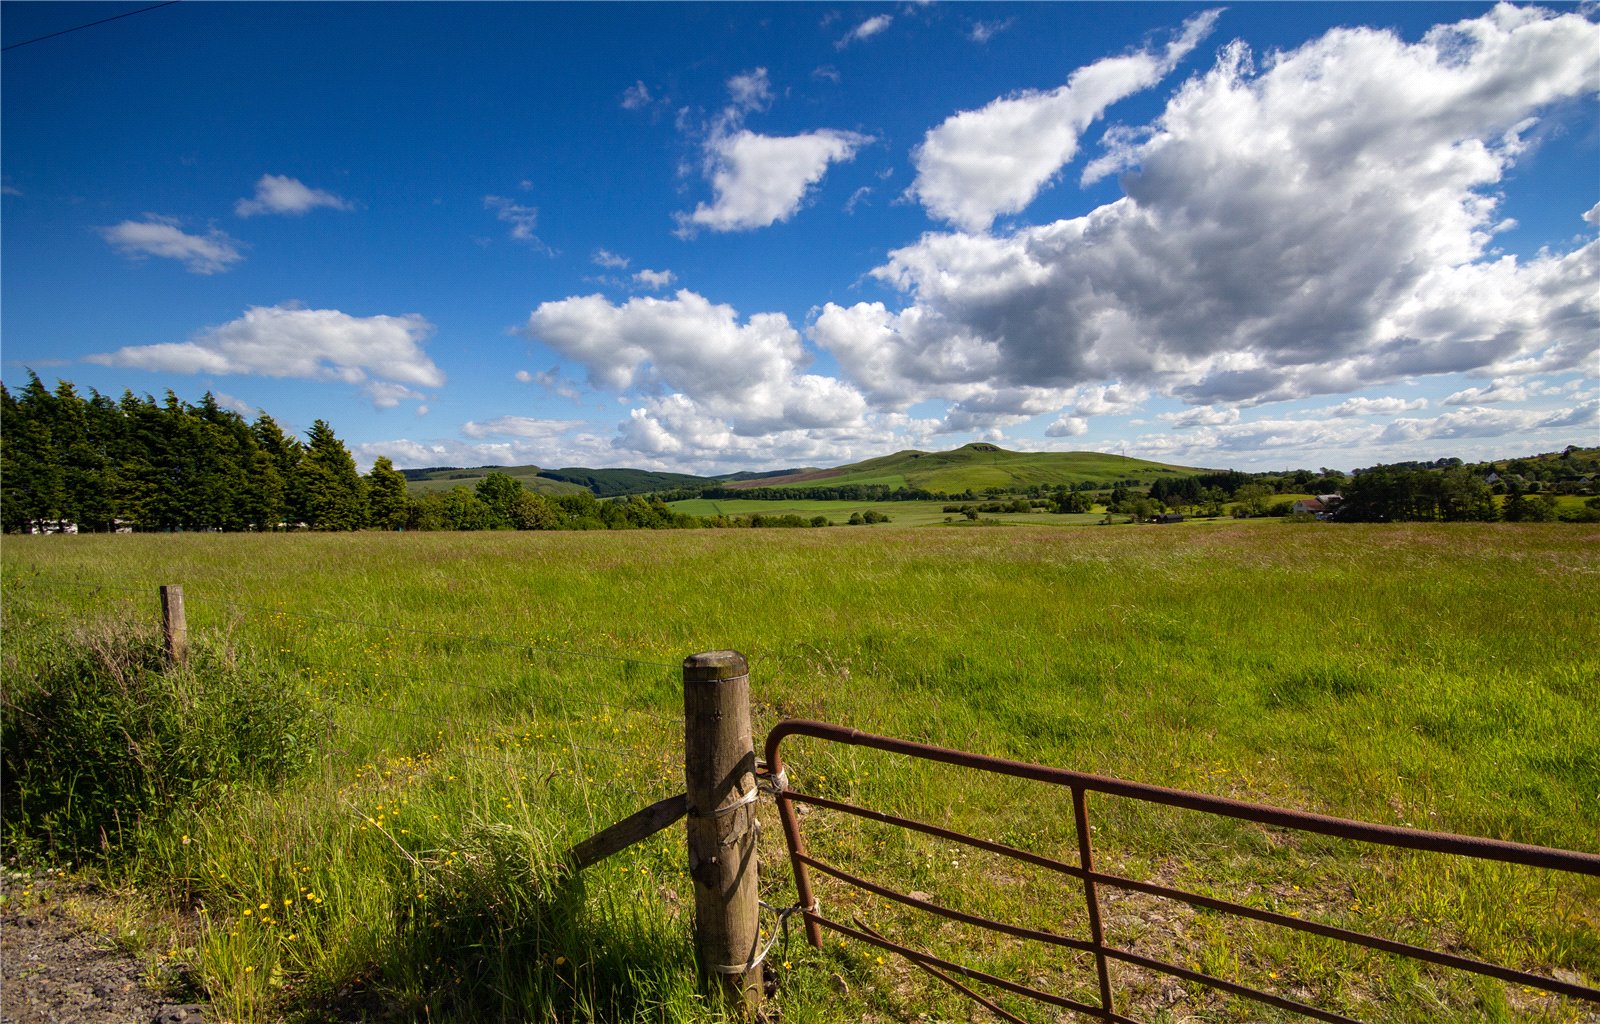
139 479
34 481
103 503
387 504
334 495
226 451
274 476
84 498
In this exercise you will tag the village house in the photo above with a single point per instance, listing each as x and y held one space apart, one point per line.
1320 506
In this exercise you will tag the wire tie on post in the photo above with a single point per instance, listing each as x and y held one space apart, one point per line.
781 930
745 800
765 779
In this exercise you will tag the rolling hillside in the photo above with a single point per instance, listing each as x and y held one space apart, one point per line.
975 467
971 467
443 478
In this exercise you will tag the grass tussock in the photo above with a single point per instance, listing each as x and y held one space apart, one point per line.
103 740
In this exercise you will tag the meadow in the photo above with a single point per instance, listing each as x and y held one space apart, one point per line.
472 704
900 513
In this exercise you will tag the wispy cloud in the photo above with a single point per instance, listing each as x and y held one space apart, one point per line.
211 253
983 31
523 219
636 96
276 193
866 30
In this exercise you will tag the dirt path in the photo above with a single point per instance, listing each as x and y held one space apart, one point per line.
55 971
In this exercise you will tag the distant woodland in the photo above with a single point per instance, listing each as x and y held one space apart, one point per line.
135 463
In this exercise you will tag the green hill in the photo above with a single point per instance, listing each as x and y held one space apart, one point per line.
976 467
443 478
971 467
609 483
603 483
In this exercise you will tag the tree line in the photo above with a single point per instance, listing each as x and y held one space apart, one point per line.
136 463
1452 492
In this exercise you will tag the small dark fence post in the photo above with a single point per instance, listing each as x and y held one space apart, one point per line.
174 630
719 769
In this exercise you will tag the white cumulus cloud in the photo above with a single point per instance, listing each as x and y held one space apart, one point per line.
211 253
750 374
1321 226
982 163
1503 389
1067 426
520 426
277 193
758 180
1375 406
1212 416
382 354
653 279
1480 421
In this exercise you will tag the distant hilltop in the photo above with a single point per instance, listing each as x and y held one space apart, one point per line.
975 468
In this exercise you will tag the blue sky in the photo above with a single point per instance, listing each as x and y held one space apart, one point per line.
719 237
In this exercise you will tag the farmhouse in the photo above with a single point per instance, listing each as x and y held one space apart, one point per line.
1319 506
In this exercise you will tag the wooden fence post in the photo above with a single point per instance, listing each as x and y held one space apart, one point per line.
719 769
174 630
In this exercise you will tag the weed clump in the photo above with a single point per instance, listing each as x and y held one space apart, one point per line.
102 739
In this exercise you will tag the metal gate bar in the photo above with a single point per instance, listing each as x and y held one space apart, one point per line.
1080 785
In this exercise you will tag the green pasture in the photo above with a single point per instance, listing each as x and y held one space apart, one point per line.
474 703
900 513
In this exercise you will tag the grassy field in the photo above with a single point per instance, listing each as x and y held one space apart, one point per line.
480 701
900 513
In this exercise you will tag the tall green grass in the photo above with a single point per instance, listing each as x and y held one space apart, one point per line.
490 698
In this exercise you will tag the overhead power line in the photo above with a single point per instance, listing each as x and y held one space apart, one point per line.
92 24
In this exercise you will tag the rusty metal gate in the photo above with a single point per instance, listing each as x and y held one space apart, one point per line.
1093 880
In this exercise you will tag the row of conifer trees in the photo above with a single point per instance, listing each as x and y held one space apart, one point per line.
103 464
139 463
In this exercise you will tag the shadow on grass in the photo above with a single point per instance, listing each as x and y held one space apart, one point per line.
504 934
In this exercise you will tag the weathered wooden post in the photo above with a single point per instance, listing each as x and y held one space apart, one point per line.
174 630
719 768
